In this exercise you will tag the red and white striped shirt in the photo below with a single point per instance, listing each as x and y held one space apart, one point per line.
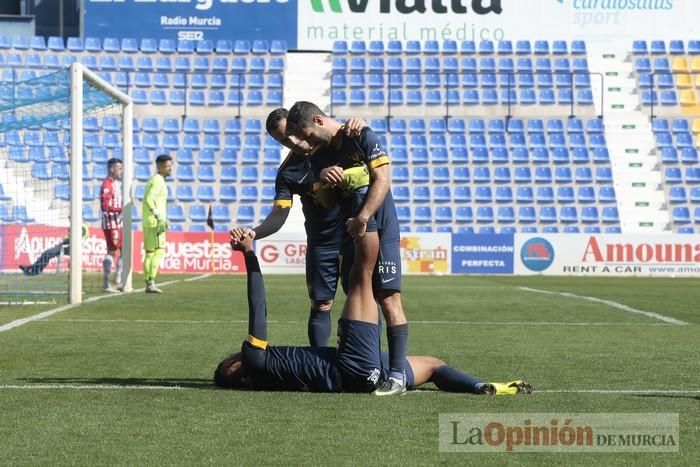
111 203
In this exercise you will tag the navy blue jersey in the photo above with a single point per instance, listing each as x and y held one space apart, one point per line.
296 177
297 369
309 369
364 150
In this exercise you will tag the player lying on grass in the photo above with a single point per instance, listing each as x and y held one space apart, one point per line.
355 366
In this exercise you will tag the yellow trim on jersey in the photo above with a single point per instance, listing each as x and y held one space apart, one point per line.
255 342
282 203
382 160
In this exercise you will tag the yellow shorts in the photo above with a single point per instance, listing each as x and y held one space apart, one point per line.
152 240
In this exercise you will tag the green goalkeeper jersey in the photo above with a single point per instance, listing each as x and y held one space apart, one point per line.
154 200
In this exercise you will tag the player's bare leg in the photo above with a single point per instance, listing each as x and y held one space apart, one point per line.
360 304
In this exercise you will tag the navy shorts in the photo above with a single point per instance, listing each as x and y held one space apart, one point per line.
359 356
322 272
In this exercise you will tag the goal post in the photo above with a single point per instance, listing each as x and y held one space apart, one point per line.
79 75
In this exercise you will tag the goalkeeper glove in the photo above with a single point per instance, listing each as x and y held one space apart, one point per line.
161 226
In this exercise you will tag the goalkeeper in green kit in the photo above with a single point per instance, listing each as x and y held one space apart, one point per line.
155 223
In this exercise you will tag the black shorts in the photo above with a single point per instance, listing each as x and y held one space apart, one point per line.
322 272
359 356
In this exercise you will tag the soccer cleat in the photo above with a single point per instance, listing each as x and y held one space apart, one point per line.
24 269
391 387
109 289
151 288
507 389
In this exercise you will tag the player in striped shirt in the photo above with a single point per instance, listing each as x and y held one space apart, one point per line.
111 205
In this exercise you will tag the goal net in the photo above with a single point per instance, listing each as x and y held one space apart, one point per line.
57 132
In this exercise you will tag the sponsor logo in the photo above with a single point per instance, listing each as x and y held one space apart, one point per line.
301 180
284 254
480 7
557 432
198 4
628 252
374 376
537 254
619 4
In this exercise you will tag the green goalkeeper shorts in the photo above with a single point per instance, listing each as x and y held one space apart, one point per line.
152 240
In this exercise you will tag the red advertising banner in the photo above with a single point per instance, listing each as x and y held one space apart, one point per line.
24 244
185 252
193 253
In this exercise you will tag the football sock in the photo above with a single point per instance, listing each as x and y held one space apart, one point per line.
453 380
257 306
319 328
106 270
397 337
118 275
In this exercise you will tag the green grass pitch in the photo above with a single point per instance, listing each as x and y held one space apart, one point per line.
90 385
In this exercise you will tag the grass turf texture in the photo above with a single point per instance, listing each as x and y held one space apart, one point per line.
490 328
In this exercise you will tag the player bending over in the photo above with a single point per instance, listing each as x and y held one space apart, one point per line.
355 366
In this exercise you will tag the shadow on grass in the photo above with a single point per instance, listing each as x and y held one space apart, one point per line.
189 383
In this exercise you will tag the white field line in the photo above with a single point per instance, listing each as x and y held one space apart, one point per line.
610 303
45 314
240 321
165 387
197 278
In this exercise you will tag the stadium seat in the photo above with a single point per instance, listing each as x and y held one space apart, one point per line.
175 213
184 173
483 194
464 215
677 195
197 213
221 214
205 194
88 214
245 214
610 215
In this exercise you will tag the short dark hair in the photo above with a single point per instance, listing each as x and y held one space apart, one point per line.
302 115
223 379
163 158
112 162
274 119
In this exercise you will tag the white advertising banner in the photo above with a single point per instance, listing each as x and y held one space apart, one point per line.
283 254
608 255
426 253
323 21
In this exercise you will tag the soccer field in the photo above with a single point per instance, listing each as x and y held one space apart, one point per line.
127 379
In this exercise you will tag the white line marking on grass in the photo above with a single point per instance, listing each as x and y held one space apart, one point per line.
197 278
241 321
45 314
610 303
94 386
618 391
